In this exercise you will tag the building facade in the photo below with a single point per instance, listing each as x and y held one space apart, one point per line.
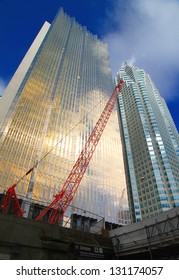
50 115
150 145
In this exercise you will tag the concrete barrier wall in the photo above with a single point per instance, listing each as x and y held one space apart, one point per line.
21 238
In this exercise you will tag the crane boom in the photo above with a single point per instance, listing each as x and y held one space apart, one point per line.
62 200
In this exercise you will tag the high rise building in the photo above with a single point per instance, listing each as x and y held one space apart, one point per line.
150 144
47 113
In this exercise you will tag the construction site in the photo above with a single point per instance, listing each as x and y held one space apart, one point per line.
29 231
88 165
55 212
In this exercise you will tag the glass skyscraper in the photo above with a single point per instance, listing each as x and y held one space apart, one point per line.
150 145
49 115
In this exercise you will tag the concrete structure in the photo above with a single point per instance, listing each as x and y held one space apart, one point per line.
50 108
24 239
150 146
153 238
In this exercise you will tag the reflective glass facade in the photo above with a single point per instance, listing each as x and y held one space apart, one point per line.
53 113
151 146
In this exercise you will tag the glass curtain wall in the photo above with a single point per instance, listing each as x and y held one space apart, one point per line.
151 143
49 122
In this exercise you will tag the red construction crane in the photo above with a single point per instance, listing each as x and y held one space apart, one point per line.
11 196
62 200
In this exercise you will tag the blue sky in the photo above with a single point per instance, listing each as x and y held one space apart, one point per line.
143 32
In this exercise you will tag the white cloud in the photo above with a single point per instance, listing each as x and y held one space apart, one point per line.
131 61
147 35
